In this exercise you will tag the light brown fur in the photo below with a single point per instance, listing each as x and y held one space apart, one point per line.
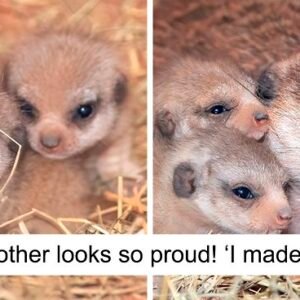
55 73
281 84
10 125
60 188
222 159
190 88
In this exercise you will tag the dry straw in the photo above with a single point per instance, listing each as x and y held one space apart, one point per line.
227 287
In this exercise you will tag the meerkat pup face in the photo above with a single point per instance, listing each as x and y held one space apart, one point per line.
238 185
279 88
69 89
198 94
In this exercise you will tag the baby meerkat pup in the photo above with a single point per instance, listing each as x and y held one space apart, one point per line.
279 88
219 181
197 93
60 188
72 93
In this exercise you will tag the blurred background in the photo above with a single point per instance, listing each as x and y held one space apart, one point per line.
251 33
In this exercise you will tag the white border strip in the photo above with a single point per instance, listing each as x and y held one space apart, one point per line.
150 113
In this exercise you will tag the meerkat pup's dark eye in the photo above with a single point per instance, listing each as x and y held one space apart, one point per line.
27 109
243 192
84 111
218 109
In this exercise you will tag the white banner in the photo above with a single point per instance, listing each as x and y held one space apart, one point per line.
149 255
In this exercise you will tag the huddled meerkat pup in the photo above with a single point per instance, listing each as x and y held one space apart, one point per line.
60 188
219 181
193 94
279 88
72 92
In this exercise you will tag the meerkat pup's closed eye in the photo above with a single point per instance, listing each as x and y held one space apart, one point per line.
279 88
219 181
192 94
72 92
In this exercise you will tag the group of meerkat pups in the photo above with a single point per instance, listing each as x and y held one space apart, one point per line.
64 99
226 148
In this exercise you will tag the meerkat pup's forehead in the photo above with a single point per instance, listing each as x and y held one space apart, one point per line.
69 61
192 76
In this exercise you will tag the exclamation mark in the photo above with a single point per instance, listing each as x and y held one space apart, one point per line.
214 253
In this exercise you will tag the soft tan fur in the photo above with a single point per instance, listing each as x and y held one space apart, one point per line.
10 125
284 138
60 188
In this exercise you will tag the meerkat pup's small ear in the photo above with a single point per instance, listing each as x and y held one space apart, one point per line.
265 89
121 89
165 123
184 180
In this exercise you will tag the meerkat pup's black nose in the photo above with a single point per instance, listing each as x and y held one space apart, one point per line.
50 141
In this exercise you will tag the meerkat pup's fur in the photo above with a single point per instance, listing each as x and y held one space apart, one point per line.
198 93
218 181
71 88
279 88
59 188
10 125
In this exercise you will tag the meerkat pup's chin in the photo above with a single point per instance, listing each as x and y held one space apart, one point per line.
198 93
219 181
71 89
